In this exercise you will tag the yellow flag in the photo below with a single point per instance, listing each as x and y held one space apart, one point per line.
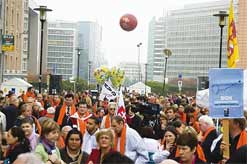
232 44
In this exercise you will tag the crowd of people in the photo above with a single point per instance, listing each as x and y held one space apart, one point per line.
76 129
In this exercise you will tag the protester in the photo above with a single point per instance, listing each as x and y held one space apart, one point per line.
63 135
28 158
133 120
89 139
128 142
116 158
11 112
167 148
106 121
72 152
187 148
209 133
79 118
46 149
104 139
63 113
237 139
171 114
17 142
27 127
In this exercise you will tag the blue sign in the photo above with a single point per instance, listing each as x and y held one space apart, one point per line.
180 76
226 93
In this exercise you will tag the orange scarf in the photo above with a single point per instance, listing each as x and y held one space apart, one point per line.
199 152
95 108
30 94
82 122
60 142
183 117
55 104
207 132
82 126
62 113
122 141
242 139
107 121
37 124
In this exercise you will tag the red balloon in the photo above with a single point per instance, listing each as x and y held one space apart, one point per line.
128 22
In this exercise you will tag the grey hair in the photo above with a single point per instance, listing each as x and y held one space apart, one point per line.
30 158
208 120
66 127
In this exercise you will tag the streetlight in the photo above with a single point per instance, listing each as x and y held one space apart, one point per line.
42 10
146 73
167 53
139 63
78 64
89 68
222 22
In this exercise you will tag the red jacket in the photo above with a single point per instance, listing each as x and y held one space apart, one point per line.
95 156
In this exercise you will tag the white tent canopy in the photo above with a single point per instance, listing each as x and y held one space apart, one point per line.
202 98
139 87
15 85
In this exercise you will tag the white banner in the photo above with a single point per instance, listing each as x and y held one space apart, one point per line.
108 91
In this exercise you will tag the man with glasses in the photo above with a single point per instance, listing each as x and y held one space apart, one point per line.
106 121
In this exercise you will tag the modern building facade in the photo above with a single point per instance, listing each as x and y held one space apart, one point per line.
16 24
34 42
2 6
133 72
242 33
62 48
193 36
89 41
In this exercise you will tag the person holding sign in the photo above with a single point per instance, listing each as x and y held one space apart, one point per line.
206 126
237 140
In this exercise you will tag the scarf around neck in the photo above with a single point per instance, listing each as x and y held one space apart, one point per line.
122 141
49 146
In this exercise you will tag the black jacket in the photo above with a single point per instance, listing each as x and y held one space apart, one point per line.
239 156
66 158
11 113
206 144
66 121
19 149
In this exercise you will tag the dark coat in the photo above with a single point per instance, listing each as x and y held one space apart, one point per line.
19 149
207 143
66 158
239 156
65 121
11 113
95 156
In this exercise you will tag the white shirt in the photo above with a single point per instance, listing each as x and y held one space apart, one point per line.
135 148
89 142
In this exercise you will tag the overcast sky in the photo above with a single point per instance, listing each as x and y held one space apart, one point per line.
118 45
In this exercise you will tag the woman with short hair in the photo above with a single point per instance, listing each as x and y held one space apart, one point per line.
47 149
104 140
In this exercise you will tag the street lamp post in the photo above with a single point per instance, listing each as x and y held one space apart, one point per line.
146 73
167 53
78 64
139 63
89 69
222 22
42 10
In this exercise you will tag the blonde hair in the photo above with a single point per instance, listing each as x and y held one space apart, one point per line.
47 126
107 132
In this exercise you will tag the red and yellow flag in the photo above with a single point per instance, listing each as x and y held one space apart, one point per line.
232 44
